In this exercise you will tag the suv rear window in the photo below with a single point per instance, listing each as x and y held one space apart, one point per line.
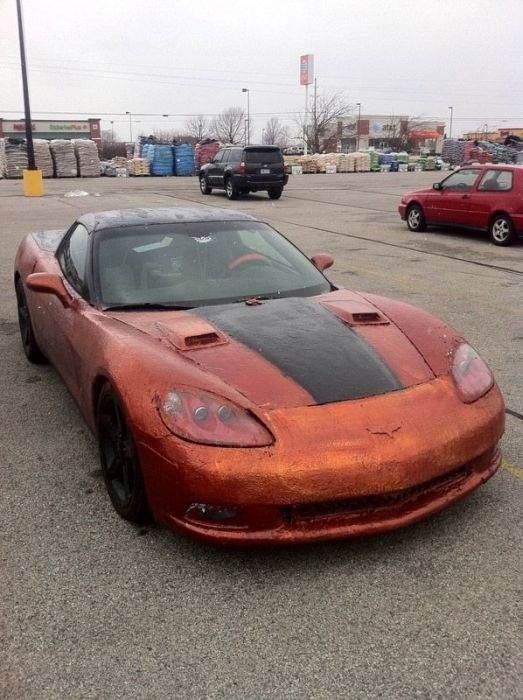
263 155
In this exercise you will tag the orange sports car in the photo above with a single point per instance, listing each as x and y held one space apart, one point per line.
239 396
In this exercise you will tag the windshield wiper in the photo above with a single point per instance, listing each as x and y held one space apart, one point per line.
148 306
257 298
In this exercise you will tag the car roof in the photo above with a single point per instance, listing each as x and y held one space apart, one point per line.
117 218
255 147
489 166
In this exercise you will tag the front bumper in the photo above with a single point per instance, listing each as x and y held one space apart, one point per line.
402 209
340 470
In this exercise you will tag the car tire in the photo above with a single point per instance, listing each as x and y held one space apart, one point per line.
274 193
205 188
416 218
31 348
230 190
501 230
119 459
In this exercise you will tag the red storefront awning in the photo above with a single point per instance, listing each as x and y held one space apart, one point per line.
424 135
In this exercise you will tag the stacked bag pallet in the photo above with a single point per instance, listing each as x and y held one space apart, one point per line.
362 162
308 163
15 157
204 152
2 158
138 167
87 157
183 159
64 158
43 158
160 157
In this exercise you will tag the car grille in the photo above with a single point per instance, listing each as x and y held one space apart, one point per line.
381 501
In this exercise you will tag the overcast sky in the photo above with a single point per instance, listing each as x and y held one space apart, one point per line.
178 57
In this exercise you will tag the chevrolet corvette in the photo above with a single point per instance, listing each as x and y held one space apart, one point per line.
240 397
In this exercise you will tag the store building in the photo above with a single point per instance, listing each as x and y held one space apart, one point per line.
54 129
388 131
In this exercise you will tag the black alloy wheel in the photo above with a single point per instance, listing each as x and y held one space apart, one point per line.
501 230
275 193
119 460
205 188
416 218
31 349
230 189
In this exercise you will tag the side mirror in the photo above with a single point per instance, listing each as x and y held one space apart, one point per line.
437 186
322 261
47 283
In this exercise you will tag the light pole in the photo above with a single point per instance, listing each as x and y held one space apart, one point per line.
112 131
248 130
358 105
130 126
32 177
450 126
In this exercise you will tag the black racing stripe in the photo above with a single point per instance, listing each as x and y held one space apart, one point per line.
308 344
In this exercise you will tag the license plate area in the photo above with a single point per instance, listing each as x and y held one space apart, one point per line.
265 171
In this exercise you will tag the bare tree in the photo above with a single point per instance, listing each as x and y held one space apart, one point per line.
198 127
275 133
325 110
229 125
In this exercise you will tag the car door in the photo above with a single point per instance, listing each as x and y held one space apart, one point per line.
60 331
451 204
494 192
214 171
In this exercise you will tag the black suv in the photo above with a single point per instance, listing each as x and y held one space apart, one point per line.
240 170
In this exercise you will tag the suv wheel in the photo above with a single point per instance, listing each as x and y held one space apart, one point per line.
501 230
205 188
230 189
275 193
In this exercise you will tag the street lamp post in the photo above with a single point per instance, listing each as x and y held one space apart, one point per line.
358 105
450 126
32 177
248 129
130 126
112 130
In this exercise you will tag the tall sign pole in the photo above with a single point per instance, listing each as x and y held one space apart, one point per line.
306 78
33 185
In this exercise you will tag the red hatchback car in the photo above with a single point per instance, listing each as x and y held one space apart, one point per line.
484 197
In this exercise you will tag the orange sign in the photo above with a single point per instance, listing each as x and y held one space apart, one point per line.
306 69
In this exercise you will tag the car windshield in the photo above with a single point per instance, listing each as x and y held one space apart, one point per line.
195 264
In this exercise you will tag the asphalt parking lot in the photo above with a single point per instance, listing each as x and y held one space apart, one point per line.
96 608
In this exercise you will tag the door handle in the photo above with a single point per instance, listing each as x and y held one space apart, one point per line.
466 196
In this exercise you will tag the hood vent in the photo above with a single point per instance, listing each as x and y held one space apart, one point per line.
191 333
196 341
356 313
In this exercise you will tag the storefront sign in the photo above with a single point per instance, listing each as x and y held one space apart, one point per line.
306 69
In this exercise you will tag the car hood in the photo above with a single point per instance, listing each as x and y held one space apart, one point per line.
416 193
292 351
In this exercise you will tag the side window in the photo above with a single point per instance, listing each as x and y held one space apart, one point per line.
218 157
236 155
73 258
226 156
461 181
496 181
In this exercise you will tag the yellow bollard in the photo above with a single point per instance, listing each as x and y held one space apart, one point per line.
33 183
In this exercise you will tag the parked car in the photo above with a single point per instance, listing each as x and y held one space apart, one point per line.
484 197
237 394
240 170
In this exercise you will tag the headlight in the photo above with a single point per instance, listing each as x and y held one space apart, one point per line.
201 417
471 375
